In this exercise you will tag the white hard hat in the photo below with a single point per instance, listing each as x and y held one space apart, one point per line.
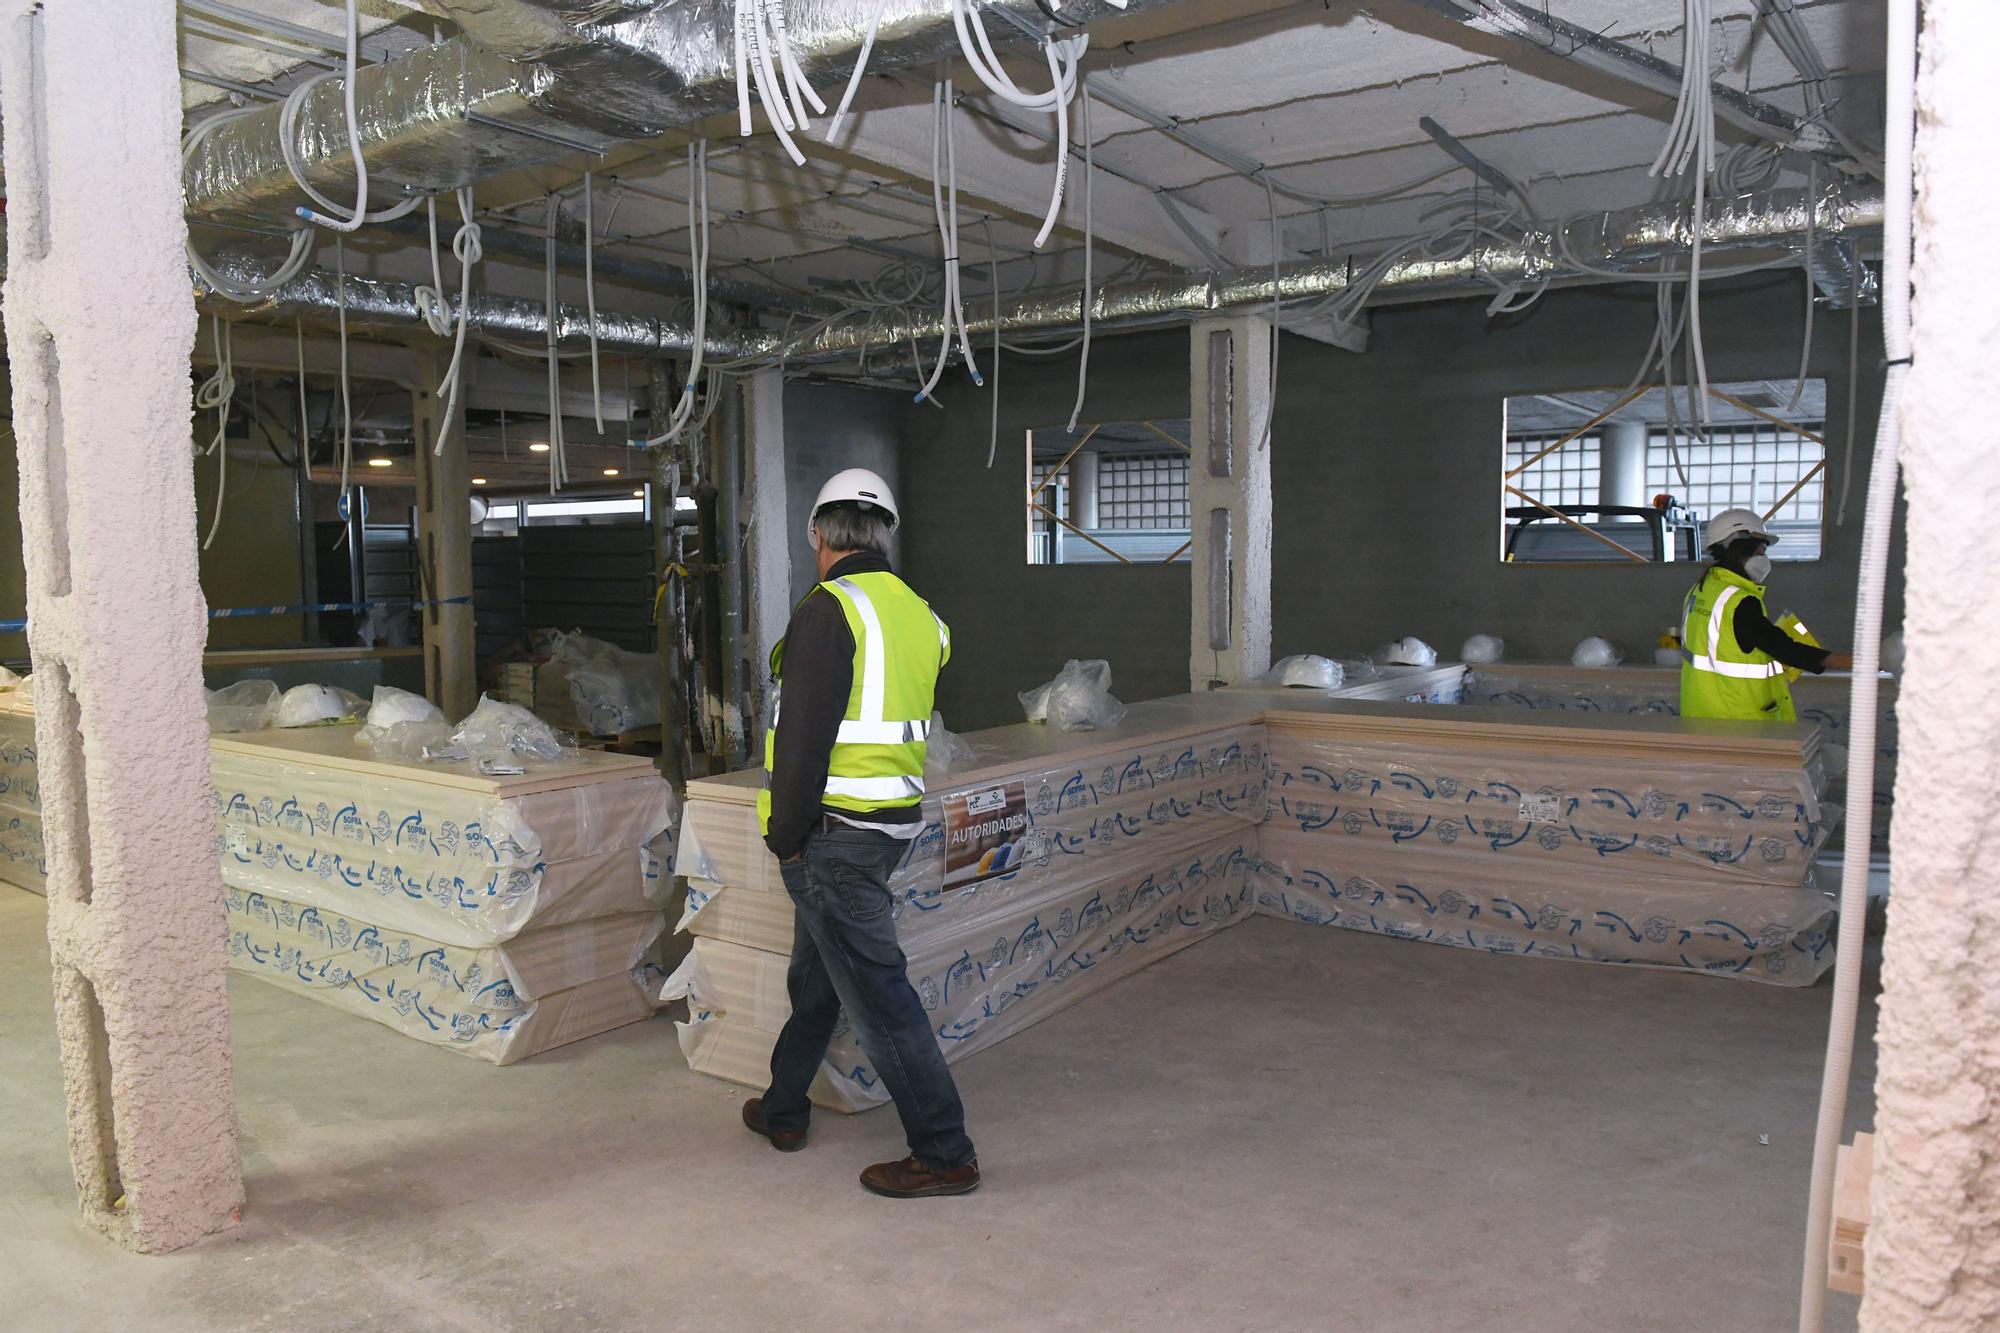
1309 671
1730 524
856 486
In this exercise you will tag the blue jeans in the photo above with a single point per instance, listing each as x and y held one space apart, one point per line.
845 956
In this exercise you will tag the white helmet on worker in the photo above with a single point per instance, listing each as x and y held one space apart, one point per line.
1730 524
856 486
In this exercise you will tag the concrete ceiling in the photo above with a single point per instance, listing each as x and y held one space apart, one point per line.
1327 93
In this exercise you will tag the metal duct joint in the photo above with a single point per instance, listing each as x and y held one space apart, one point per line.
538 81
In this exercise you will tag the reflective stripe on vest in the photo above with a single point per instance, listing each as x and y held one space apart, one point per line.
1709 661
877 760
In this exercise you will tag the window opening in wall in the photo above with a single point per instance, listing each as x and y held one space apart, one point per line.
1112 493
1596 476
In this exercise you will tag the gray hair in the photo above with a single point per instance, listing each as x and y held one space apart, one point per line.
846 527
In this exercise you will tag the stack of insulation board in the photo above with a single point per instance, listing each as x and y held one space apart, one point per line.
496 916
1113 849
1821 700
543 688
22 858
1633 839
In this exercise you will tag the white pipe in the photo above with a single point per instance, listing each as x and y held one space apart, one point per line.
1898 143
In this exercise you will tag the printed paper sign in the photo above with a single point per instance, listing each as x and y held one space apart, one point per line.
984 832
1542 806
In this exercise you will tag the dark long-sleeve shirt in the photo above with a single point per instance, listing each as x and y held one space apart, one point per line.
1755 631
818 674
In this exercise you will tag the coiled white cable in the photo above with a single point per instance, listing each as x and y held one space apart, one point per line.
438 316
216 392
336 217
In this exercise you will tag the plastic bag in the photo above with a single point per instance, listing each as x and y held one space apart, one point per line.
1305 671
1405 652
500 733
1595 652
1078 699
614 689
245 706
310 705
1483 649
402 725
947 749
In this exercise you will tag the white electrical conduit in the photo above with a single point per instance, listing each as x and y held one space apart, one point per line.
993 272
1898 145
558 447
346 386
1271 407
1691 142
854 79
242 289
1089 290
944 202
304 442
590 301
683 411
753 65
1062 57
337 216
437 315
216 392
1805 345
800 88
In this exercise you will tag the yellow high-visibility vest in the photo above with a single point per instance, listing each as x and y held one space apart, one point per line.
900 645
1719 676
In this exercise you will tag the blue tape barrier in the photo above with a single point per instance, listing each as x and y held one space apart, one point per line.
244 612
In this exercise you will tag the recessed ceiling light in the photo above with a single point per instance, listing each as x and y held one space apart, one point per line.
638 495
381 462
479 481
538 448
611 472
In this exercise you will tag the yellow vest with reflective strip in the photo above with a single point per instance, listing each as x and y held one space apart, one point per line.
1719 676
900 645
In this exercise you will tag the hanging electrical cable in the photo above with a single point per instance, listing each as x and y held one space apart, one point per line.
753 66
590 301
860 68
944 203
1089 290
438 316
305 435
1691 143
346 387
1806 343
993 273
1062 57
336 217
1277 306
683 410
217 392
558 461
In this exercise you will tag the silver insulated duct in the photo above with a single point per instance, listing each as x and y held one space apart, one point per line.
1768 225
532 82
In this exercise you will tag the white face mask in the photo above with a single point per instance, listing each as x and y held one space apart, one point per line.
1758 568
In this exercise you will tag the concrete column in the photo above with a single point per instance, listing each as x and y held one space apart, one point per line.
1931 1259
1230 498
1621 464
100 325
444 546
766 515
1083 471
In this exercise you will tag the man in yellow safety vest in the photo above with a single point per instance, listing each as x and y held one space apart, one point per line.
1734 659
842 801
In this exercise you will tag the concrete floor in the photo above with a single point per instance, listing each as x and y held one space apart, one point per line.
1280 1128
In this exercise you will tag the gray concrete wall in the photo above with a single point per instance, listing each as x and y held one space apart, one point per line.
829 427
1386 476
1387 470
965 543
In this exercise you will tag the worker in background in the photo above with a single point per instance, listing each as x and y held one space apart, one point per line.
1734 660
842 801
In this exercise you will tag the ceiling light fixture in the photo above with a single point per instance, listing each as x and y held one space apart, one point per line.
479 481
538 448
638 495
381 462
611 472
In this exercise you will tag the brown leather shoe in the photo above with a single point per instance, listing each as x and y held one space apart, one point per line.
784 1140
911 1179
